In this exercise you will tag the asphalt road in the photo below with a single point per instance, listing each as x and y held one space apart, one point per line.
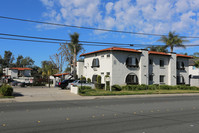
179 114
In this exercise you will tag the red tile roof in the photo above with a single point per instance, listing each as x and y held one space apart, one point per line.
57 75
182 55
160 53
112 49
20 68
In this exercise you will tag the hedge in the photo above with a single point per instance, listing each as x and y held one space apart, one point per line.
157 87
6 90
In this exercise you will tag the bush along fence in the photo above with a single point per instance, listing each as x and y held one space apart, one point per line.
138 89
6 90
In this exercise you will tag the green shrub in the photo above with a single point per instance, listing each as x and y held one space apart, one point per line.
164 87
85 89
83 78
153 87
107 85
89 80
142 87
116 88
6 90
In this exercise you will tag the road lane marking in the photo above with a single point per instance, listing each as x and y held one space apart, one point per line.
38 121
67 119
3 125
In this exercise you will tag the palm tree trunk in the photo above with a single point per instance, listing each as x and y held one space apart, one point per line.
171 49
74 63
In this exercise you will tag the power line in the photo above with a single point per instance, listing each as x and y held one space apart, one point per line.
5 34
53 42
89 28
7 38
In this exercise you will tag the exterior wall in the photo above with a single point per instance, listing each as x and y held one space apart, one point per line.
184 73
116 66
172 70
144 65
156 70
194 72
27 73
80 66
120 71
104 62
14 73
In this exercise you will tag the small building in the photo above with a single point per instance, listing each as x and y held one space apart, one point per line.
129 66
194 73
56 78
18 74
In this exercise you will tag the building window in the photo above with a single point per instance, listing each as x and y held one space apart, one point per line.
180 65
131 79
102 73
132 62
108 73
150 62
161 78
95 63
150 77
161 63
94 79
108 56
180 80
102 56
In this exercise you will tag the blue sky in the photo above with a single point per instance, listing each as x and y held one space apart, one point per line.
147 16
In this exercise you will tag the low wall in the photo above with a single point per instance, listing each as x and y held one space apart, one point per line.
74 89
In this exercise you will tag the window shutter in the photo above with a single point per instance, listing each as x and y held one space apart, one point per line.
133 61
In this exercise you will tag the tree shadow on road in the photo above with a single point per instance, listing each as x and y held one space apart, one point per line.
16 94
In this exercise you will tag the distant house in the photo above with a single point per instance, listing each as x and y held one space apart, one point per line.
130 66
59 77
18 74
194 73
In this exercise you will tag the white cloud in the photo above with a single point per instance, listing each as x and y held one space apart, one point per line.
152 16
109 7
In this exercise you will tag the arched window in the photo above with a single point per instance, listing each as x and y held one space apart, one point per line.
94 79
180 80
95 62
132 62
131 79
180 65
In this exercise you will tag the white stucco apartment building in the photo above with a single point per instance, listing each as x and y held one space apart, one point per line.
130 66
194 73
18 74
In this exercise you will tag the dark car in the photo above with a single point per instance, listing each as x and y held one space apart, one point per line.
65 83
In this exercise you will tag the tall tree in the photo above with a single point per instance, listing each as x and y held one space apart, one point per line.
24 62
75 49
172 40
8 59
157 48
58 60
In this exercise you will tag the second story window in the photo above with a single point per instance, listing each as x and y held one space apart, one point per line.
150 62
95 63
161 63
132 62
180 65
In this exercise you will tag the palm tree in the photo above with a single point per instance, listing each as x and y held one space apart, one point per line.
172 40
75 49
157 48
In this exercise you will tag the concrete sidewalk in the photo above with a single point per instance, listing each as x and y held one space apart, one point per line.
36 94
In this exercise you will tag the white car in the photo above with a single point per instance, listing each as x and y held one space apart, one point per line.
80 83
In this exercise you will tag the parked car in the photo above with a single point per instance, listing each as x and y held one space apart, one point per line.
14 83
80 83
65 83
